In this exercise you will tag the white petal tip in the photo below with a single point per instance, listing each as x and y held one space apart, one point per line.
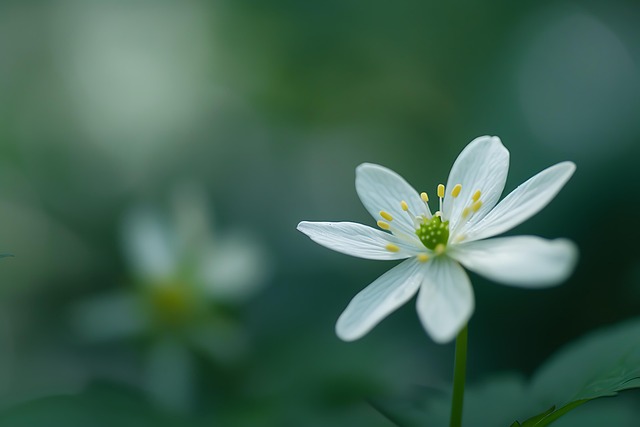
567 252
572 256
346 337
348 334
443 339
447 335
364 167
569 165
487 139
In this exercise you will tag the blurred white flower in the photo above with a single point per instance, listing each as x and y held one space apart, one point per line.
434 246
186 280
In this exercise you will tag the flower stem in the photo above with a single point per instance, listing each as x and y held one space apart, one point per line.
459 371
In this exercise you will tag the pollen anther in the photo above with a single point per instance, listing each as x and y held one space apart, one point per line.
392 248
423 257
386 215
404 206
383 225
476 196
456 190
440 190
424 197
476 206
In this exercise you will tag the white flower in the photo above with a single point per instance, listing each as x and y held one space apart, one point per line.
185 277
434 245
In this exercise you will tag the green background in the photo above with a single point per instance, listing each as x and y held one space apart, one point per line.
270 106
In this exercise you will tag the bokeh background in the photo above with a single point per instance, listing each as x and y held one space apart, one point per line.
156 157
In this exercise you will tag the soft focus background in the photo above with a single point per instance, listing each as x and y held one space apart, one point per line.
156 157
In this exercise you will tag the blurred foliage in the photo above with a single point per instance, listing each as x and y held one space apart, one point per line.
598 365
268 106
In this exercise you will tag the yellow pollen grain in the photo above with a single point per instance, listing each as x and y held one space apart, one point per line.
476 206
392 248
456 190
404 206
424 197
386 215
441 191
476 196
465 212
423 257
383 225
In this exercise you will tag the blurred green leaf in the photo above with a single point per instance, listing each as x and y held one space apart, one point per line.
101 405
410 408
495 402
600 364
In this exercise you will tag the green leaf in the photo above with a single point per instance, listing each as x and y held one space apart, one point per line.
600 364
101 405
533 420
409 409
495 402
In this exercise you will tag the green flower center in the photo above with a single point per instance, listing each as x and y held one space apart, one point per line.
433 233
172 304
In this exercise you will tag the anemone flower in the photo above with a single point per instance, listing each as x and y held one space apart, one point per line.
186 282
435 247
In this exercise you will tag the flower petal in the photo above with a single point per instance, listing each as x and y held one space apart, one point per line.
170 374
379 299
526 261
523 202
482 165
356 239
445 302
381 189
116 315
232 268
149 244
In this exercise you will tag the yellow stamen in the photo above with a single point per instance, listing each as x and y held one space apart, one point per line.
386 216
383 225
476 196
439 248
424 197
441 191
404 206
423 257
456 190
392 248
465 212
476 206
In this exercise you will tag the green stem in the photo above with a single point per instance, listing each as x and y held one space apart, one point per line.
459 372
